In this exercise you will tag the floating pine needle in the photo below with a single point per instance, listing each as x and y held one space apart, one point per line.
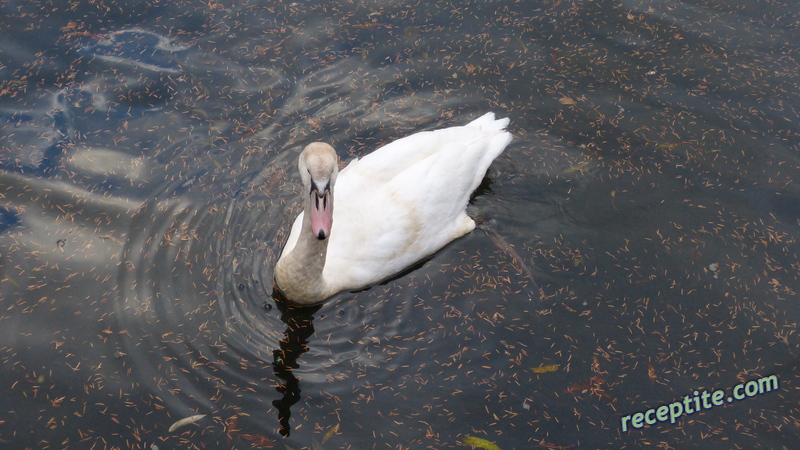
669 145
479 443
594 387
186 421
258 439
651 372
547 368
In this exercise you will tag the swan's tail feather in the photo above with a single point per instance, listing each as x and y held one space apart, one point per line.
488 124
500 138
499 142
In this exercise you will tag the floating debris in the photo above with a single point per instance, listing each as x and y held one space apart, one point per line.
330 433
479 443
186 421
580 167
547 368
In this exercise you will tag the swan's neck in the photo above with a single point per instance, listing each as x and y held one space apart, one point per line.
299 274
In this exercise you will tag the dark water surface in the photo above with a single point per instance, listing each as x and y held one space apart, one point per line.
639 242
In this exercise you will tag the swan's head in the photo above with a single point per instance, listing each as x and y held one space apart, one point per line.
319 166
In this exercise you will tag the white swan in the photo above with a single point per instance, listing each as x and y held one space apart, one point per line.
393 207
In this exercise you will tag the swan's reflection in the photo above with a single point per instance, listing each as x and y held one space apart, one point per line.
299 327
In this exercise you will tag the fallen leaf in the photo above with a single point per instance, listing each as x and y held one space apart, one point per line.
479 443
186 421
332 431
545 369
576 168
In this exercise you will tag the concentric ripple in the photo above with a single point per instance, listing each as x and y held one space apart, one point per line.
199 323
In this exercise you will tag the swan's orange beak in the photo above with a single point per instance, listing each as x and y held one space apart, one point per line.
321 213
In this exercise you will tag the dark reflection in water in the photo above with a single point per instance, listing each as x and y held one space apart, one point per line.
299 329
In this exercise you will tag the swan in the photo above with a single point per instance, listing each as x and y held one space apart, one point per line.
392 208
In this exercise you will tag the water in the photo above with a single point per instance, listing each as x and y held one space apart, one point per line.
640 232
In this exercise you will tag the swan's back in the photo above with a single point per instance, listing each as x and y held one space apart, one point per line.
407 200
401 155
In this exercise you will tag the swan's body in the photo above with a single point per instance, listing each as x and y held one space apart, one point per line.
393 207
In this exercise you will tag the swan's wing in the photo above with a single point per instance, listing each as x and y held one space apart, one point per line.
382 225
294 234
